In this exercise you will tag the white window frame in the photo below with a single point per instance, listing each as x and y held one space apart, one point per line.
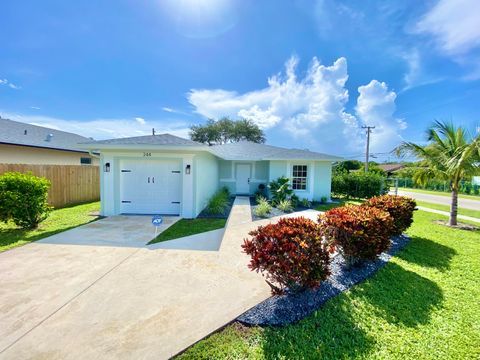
305 177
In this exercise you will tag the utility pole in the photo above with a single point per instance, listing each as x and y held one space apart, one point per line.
367 150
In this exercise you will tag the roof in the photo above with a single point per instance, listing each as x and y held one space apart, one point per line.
391 167
246 150
161 139
19 133
243 150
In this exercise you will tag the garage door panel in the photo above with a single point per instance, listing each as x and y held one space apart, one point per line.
150 186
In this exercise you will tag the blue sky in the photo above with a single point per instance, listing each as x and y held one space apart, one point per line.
310 73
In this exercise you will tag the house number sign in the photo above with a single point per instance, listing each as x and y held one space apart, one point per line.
147 154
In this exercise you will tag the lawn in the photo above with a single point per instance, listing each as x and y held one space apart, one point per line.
186 227
441 193
422 305
461 211
58 221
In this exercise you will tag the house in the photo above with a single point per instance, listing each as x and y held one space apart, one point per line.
22 143
390 169
166 174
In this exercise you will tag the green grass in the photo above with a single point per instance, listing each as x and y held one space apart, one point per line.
441 193
461 211
336 203
422 305
186 227
58 221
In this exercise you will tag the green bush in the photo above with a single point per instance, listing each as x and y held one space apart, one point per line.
23 199
263 208
358 185
280 190
400 208
218 203
305 203
285 205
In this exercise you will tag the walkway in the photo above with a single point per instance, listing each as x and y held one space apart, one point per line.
462 217
72 297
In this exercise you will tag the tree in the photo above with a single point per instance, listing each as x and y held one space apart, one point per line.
226 130
451 154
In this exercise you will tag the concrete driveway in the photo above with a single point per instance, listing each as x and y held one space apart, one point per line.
443 200
72 296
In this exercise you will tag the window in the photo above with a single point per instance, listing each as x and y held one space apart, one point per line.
85 161
299 177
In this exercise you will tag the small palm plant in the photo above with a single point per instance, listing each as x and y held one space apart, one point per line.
451 154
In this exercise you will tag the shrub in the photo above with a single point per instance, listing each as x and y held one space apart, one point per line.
358 185
218 203
323 199
400 208
280 189
305 203
358 232
23 199
263 207
290 253
285 205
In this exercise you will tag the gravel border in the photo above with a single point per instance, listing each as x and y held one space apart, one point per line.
275 212
281 310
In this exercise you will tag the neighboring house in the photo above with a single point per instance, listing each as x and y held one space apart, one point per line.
165 174
22 143
390 169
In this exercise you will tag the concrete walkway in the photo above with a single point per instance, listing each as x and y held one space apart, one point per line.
78 299
462 217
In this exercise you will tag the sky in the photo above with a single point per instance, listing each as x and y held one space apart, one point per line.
310 73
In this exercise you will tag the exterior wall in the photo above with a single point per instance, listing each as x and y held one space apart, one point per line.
206 170
17 154
319 177
259 171
110 181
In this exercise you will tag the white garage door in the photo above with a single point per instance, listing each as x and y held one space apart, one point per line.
150 187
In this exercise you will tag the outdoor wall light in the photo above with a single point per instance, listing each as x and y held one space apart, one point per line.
107 167
187 169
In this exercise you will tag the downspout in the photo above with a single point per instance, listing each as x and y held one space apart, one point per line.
90 152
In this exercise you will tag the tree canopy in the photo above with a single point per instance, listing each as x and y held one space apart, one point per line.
226 130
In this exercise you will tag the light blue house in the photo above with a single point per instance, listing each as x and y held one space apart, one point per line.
165 174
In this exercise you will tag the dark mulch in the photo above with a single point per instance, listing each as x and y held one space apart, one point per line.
460 226
281 310
275 211
206 215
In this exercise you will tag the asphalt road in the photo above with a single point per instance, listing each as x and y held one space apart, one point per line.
443 200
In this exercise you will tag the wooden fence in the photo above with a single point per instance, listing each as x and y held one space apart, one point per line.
71 184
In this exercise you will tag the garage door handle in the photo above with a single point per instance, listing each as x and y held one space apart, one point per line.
153 179
149 179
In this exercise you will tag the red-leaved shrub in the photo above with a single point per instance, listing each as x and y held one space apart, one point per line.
400 208
290 253
358 232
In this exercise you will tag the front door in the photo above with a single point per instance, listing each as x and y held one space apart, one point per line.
243 178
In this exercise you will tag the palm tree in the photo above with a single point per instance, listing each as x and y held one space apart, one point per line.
452 154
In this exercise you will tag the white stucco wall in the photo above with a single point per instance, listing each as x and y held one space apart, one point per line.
258 174
205 169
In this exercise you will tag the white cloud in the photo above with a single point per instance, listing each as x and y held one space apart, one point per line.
174 111
34 107
140 120
308 111
103 128
376 107
454 24
9 84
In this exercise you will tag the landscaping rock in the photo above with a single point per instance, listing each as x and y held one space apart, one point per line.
281 310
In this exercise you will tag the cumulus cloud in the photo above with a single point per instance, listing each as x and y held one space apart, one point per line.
9 84
376 107
140 120
309 111
103 128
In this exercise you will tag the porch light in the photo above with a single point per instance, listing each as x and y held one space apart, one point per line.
187 169
106 167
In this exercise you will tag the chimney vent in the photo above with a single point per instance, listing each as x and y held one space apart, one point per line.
153 131
49 137
25 132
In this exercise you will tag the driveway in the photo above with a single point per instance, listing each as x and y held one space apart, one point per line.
443 200
78 295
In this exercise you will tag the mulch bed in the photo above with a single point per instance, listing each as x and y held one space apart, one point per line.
206 215
458 226
280 310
